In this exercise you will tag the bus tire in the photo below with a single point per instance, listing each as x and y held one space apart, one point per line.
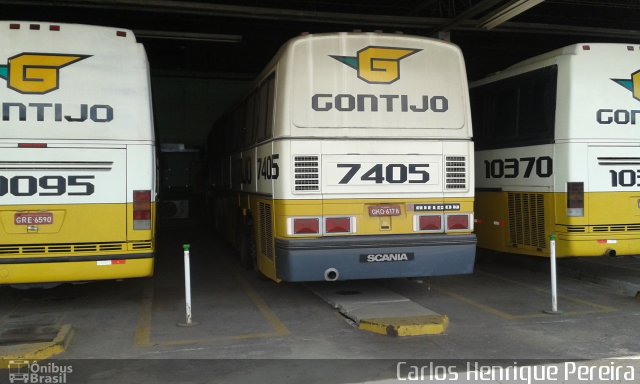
248 248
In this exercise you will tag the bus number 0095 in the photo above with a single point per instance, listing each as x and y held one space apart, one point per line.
46 186
511 168
390 173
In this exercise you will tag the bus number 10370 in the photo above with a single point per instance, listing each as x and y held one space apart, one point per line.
524 166
625 178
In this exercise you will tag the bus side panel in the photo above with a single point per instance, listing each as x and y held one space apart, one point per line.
515 209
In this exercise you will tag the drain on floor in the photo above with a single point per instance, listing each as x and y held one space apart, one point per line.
348 293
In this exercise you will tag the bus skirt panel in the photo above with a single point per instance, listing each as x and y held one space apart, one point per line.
75 269
374 257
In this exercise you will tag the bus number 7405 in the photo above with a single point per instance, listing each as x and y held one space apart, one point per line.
390 173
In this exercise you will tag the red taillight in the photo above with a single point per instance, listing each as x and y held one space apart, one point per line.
430 223
121 34
54 28
337 225
141 210
34 27
306 226
14 26
457 222
575 199
32 145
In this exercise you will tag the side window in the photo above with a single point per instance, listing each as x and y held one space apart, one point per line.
271 96
505 114
249 127
514 112
238 126
262 111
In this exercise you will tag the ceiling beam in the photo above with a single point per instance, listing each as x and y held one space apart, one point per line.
338 18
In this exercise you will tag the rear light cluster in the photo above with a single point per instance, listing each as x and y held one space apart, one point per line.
575 199
142 210
442 223
300 226
319 225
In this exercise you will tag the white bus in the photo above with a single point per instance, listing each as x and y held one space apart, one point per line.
350 159
558 152
77 154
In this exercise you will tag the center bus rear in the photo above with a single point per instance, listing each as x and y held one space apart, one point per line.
360 166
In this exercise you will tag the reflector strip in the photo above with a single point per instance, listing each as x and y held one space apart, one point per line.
32 145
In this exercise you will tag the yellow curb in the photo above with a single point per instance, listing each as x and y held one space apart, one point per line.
406 326
37 351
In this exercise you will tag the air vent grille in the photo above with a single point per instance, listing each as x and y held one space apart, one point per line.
455 172
306 173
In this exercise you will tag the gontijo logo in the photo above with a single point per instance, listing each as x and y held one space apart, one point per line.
632 84
622 116
377 65
36 73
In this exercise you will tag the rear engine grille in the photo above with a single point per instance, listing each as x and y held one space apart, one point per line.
455 172
526 219
306 173
266 230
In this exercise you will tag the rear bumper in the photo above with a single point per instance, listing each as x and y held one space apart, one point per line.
75 268
375 257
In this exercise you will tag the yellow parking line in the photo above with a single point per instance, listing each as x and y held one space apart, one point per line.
508 316
248 336
142 336
485 308
274 321
599 307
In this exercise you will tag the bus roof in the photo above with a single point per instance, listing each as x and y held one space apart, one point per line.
73 82
373 81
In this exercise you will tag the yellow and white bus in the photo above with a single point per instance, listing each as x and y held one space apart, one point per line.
77 154
558 152
351 159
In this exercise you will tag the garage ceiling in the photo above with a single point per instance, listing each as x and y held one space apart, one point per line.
225 39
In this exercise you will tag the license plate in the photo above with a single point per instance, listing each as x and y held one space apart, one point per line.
384 210
40 218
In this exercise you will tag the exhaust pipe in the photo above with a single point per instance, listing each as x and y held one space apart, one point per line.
331 274
610 252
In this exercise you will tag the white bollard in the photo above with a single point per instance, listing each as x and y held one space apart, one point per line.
554 285
187 286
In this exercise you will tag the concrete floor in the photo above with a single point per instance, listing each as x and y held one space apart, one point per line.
253 330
